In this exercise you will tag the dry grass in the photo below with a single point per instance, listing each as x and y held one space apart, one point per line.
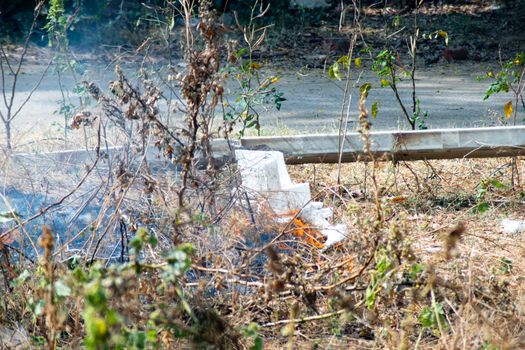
480 284
247 271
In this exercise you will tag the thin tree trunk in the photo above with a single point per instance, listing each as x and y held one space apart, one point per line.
8 135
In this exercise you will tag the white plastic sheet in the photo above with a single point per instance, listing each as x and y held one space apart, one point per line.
265 178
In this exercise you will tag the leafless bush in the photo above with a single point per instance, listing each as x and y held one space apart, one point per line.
10 65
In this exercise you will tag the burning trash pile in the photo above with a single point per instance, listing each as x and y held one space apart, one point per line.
267 182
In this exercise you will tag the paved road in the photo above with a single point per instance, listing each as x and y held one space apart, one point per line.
450 93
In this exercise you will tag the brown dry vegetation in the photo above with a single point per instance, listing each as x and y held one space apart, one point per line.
423 205
178 256
303 297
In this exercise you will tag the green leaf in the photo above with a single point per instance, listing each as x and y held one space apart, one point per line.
506 265
251 330
364 89
151 335
140 340
383 54
426 317
228 117
497 184
61 289
152 240
38 307
331 74
496 87
241 52
252 124
22 278
38 340
520 59
370 296
257 344
416 270
396 22
488 346
345 61
383 264
337 72
334 72
136 244
186 306
481 208
187 248
438 309
96 327
375 108
278 99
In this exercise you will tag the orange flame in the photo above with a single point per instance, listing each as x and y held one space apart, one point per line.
308 234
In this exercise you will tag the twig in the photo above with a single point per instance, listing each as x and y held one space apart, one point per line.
19 252
61 200
346 94
117 208
305 319
352 277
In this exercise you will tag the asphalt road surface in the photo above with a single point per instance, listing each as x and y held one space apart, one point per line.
449 93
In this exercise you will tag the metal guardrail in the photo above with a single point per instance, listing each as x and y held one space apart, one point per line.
324 148
397 145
